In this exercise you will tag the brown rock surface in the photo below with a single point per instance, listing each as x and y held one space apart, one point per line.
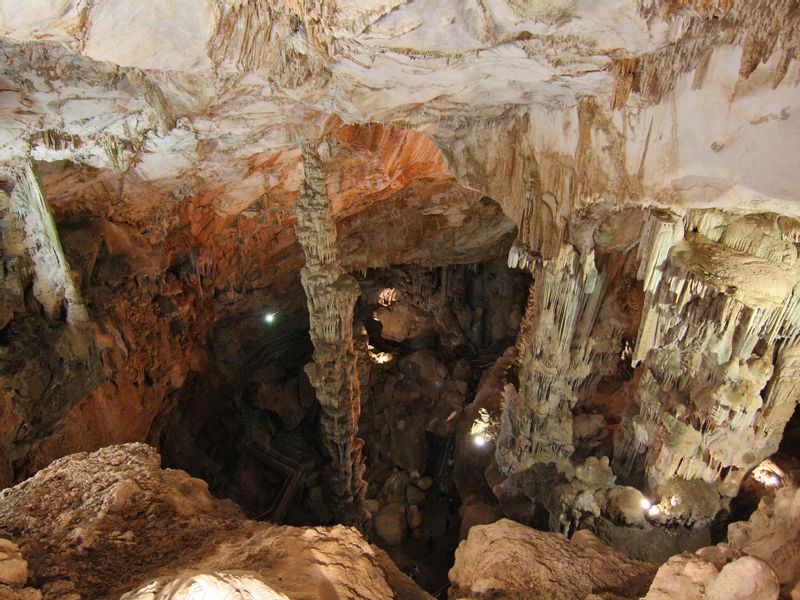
102 523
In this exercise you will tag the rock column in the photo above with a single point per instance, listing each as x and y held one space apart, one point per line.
331 294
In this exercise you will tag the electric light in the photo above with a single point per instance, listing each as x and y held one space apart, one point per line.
381 358
269 318
768 474
654 511
479 440
646 504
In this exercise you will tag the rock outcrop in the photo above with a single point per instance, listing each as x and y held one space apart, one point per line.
98 525
509 560
14 574
759 560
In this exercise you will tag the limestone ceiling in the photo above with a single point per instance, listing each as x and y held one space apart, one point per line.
154 103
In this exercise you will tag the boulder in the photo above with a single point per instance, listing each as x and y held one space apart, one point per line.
408 445
13 568
90 544
684 576
186 586
414 495
394 488
625 505
390 523
510 560
414 517
744 579
773 534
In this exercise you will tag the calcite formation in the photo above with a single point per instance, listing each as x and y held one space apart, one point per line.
759 560
173 170
332 295
718 325
720 314
507 559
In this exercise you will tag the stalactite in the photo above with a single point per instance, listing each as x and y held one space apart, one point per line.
555 358
706 340
53 285
331 296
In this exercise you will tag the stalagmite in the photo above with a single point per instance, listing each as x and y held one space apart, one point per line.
331 296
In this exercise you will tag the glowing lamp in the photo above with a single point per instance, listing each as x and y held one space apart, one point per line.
479 440
269 318
646 504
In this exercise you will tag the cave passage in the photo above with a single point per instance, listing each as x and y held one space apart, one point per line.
249 426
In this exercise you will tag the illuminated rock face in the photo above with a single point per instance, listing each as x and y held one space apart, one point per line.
758 561
717 341
507 559
719 327
113 521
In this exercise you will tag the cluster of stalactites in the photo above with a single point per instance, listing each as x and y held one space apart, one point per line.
722 299
53 284
331 296
708 344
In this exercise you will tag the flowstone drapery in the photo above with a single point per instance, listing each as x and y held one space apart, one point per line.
721 313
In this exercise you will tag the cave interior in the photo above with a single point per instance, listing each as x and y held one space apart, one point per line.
348 266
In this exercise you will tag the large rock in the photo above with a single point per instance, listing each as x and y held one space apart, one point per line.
13 568
509 560
690 577
14 574
745 578
683 576
408 445
390 523
104 523
759 560
773 534
191 585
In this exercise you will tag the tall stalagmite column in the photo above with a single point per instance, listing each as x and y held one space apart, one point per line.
331 295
